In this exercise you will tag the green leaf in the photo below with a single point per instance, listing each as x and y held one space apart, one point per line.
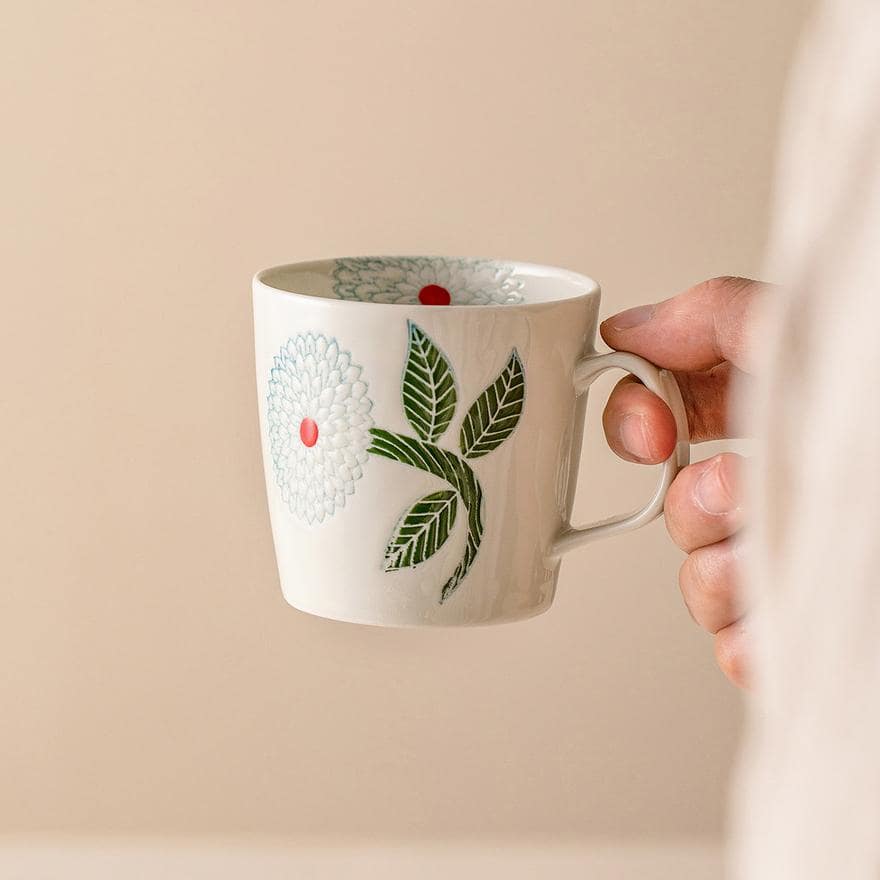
447 466
428 391
417 454
422 530
495 413
431 459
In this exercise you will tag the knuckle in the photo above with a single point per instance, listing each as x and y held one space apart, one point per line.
725 285
731 296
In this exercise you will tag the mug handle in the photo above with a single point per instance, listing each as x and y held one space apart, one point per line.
665 386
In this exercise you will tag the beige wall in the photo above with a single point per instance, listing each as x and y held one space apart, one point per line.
154 156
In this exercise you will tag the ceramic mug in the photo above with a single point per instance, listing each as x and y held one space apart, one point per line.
421 421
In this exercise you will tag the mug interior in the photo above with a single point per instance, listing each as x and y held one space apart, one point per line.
428 281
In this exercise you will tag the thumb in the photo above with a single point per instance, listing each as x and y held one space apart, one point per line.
696 330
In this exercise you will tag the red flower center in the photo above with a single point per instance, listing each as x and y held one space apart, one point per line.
308 432
434 295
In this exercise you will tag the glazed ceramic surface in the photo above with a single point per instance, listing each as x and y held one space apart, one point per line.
421 420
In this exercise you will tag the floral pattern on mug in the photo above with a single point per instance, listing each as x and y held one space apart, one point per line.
319 425
426 281
429 396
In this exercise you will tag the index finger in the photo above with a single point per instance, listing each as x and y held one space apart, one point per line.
710 323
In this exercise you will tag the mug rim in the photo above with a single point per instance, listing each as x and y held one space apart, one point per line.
591 287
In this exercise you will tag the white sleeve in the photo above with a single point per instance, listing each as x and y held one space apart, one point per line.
806 802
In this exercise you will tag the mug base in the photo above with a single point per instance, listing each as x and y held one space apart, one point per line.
403 621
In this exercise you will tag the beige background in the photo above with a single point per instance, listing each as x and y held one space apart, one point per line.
156 154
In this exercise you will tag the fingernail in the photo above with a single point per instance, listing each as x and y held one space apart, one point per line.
631 317
634 435
712 493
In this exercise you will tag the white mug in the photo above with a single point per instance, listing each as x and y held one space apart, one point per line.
421 422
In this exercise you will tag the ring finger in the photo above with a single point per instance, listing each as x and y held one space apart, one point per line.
708 581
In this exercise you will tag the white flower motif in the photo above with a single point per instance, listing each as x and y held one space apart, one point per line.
319 425
426 280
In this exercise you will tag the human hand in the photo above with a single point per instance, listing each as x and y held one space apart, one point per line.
705 337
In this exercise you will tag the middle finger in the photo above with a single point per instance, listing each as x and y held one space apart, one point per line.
703 504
